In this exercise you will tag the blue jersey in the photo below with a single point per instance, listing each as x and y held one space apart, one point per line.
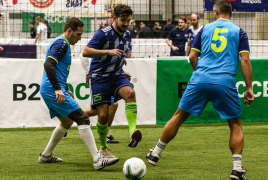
108 38
179 39
220 44
59 50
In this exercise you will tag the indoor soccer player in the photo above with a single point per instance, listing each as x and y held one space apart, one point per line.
59 99
220 43
108 48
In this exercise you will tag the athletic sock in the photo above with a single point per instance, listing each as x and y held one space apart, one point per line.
102 131
88 138
159 148
237 162
56 136
108 131
131 113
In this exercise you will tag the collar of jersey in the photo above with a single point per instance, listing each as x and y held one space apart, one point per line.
224 19
115 30
66 39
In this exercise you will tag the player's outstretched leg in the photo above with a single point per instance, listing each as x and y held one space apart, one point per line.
58 133
169 132
128 94
236 146
82 120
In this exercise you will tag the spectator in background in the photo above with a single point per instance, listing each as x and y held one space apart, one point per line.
167 28
179 36
156 30
195 28
41 32
188 22
144 31
33 30
133 29
0 17
1 48
101 25
109 20
48 28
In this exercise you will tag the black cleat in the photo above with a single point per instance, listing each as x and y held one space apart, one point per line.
110 139
236 175
151 159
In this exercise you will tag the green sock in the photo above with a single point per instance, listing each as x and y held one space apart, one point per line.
131 113
102 131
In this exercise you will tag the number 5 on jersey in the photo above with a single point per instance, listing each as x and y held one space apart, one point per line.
221 38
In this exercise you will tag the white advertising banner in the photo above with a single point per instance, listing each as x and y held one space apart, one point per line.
52 5
21 104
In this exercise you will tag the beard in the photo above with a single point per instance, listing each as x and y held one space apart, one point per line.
120 28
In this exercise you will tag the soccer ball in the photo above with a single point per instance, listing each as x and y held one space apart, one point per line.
134 168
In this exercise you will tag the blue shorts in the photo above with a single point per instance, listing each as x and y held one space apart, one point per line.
225 100
60 110
102 90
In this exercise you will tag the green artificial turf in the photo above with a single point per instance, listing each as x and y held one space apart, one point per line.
197 152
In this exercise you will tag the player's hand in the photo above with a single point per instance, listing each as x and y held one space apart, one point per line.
87 79
174 48
115 52
128 76
60 98
125 62
248 97
70 92
1 48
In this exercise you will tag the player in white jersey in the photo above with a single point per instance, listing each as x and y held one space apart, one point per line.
41 32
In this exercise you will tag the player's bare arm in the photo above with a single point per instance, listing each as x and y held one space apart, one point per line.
194 58
170 45
49 66
94 53
188 48
36 38
247 74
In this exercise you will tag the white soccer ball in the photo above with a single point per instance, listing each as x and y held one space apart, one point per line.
134 168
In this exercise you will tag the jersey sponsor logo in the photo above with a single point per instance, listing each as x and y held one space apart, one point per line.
41 3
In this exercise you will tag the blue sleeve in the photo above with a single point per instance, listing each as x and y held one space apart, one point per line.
197 41
98 40
130 45
170 35
243 45
58 49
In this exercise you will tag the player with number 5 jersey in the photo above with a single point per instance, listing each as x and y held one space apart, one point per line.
219 45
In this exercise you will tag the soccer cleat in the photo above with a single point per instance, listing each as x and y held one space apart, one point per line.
103 162
237 175
110 139
49 159
151 159
107 153
134 138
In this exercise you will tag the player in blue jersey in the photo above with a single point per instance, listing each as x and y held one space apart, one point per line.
59 99
220 43
179 36
108 48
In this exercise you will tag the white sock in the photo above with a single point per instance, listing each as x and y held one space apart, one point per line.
237 162
88 138
159 148
108 131
56 136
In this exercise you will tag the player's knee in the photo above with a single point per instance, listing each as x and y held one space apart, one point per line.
130 95
80 117
103 116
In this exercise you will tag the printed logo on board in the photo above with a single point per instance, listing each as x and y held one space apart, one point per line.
41 3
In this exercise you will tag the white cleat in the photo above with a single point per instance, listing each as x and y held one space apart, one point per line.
103 162
49 159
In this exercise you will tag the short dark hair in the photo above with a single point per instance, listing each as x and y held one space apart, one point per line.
0 14
31 23
73 23
183 18
122 10
169 20
45 22
224 7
